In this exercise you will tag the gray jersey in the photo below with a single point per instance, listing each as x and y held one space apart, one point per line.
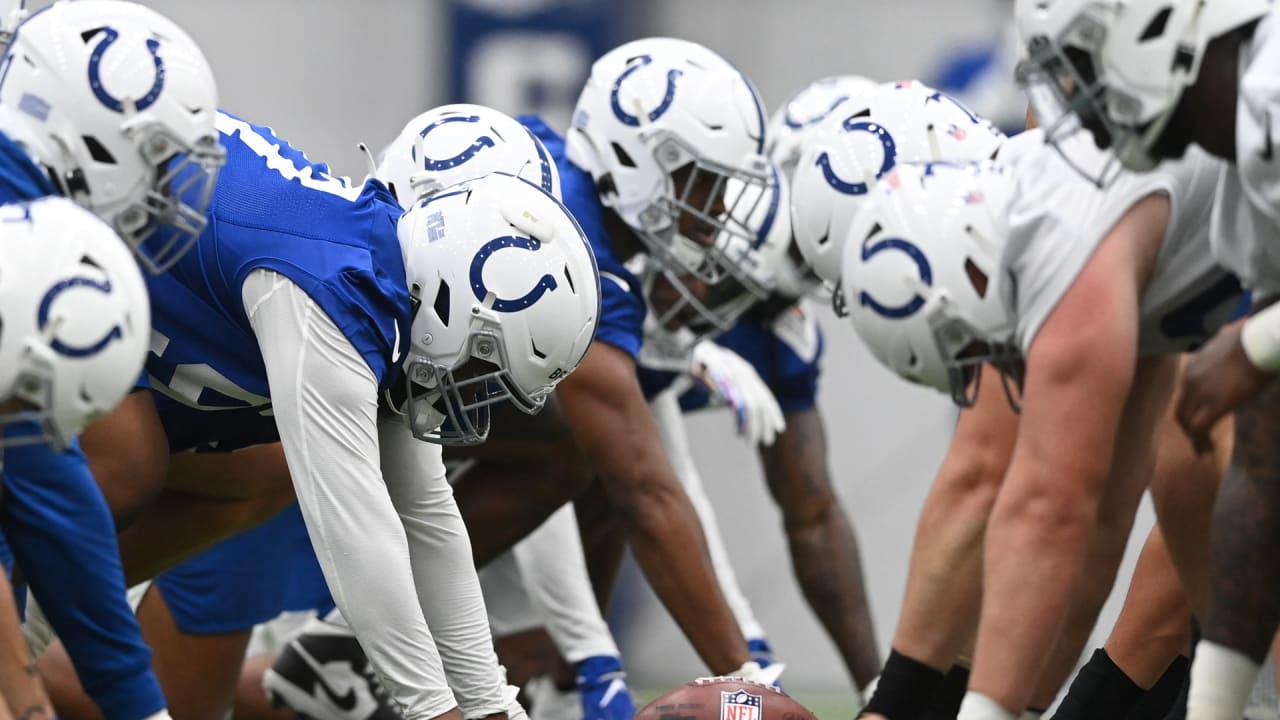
1057 219
1246 218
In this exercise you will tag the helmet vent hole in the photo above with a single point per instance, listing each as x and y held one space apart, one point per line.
1156 27
536 352
826 238
623 158
86 260
864 112
875 230
98 151
977 278
88 35
568 276
441 305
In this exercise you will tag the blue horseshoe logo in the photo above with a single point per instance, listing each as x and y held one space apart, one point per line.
890 157
60 287
481 143
95 78
545 284
798 124
926 274
626 117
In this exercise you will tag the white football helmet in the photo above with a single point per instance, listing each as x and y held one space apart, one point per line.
75 315
118 105
455 143
1119 65
922 279
507 299
791 124
660 107
682 310
859 143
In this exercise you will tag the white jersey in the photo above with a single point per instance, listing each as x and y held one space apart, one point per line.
1057 219
1246 218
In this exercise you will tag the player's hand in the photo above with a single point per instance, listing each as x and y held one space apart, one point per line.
756 411
1216 380
765 676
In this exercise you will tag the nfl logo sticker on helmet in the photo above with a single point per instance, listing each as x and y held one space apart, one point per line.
740 705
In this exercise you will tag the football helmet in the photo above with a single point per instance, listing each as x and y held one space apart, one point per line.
76 320
1118 67
455 143
118 105
663 126
791 124
859 143
682 310
922 278
506 300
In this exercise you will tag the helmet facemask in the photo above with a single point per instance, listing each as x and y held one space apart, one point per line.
964 351
166 221
688 227
452 405
33 391
1069 94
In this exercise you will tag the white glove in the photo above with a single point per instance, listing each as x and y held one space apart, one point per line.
733 380
752 671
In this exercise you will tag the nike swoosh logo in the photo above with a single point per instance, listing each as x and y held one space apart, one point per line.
346 702
615 687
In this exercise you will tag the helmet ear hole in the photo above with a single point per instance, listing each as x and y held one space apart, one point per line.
98 151
623 158
441 305
1156 27
977 278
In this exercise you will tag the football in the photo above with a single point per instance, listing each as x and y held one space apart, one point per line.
724 698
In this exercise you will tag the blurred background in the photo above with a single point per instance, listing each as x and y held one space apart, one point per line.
327 74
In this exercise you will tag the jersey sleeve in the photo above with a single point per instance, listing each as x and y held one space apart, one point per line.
622 306
798 346
62 535
326 409
1056 222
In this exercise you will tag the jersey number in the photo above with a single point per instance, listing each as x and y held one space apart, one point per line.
193 383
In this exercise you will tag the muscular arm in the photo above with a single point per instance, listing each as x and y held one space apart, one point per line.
824 551
944 584
1079 373
611 422
325 400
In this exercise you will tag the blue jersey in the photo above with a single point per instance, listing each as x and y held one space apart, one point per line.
622 306
55 523
785 350
274 209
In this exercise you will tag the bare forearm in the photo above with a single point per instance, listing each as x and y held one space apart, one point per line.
824 548
20 686
667 542
944 585
1034 551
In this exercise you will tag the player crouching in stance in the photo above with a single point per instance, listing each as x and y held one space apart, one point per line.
1079 298
76 323
1149 79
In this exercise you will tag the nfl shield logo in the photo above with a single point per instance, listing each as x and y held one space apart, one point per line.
740 705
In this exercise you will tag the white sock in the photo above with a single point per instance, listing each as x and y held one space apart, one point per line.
1221 679
977 706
